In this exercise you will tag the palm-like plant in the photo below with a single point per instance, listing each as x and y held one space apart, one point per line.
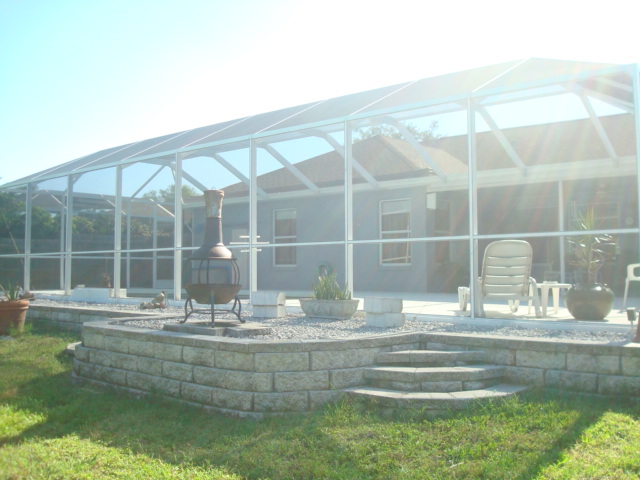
11 292
328 288
590 251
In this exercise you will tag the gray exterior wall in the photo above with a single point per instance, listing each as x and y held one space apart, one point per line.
321 219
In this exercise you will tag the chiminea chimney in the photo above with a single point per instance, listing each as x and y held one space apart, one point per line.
212 268
213 247
211 274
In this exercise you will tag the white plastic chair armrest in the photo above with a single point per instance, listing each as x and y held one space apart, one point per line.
631 271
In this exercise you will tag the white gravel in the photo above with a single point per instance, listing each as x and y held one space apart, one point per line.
296 326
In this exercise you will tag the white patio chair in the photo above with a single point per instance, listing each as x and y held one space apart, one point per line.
506 270
631 277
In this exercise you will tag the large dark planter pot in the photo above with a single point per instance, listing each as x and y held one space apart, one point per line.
589 302
13 314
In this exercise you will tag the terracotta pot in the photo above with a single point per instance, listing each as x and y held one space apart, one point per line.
589 302
13 314
331 309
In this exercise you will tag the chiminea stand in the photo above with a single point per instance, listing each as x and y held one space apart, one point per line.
212 295
212 276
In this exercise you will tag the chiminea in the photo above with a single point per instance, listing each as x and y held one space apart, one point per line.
211 275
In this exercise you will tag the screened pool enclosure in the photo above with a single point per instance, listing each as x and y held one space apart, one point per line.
398 189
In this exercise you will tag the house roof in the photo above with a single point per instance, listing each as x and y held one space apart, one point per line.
489 80
383 157
386 158
560 142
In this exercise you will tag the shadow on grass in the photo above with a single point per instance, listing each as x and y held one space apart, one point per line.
582 412
517 438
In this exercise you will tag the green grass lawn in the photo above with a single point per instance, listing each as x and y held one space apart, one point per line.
51 428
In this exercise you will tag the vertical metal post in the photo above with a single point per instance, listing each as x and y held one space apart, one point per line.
117 232
26 283
473 204
61 258
177 231
253 219
635 76
68 244
348 206
154 245
129 202
561 228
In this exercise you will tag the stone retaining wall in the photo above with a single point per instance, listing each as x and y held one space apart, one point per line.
246 377
255 377
72 318
588 367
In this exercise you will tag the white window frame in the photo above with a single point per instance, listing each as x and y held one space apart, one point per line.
384 234
278 239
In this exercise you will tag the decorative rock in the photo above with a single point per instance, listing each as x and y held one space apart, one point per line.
95 294
151 305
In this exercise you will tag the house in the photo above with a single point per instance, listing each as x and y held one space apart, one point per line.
515 150
505 207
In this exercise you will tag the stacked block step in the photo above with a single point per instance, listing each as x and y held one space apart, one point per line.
433 379
443 358
438 402
268 304
383 312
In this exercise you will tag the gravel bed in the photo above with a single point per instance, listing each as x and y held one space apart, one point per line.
296 326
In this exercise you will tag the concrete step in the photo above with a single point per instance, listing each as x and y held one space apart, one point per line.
434 379
71 348
434 401
419 374
432 357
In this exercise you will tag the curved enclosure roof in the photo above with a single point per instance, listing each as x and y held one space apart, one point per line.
504 82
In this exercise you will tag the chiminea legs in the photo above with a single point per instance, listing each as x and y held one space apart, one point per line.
188 309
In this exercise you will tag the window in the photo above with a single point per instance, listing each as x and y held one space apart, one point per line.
284 231
395 222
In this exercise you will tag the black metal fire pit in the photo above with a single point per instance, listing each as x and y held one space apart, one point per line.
211 274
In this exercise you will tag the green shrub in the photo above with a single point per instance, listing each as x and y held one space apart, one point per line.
328 288
12 292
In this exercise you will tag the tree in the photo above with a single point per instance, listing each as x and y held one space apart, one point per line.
390 131
12 219
167 195
11 215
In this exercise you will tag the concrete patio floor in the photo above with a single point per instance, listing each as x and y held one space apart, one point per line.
444 307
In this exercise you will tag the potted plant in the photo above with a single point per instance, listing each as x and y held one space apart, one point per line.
13 309
329 300
588 299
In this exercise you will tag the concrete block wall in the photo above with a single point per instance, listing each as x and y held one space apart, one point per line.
72 318
269 304
383 312
587 367
254 377
238 376
247 376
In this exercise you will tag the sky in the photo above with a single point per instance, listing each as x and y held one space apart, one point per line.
79 76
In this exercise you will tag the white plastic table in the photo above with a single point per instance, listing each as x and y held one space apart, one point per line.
544 288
